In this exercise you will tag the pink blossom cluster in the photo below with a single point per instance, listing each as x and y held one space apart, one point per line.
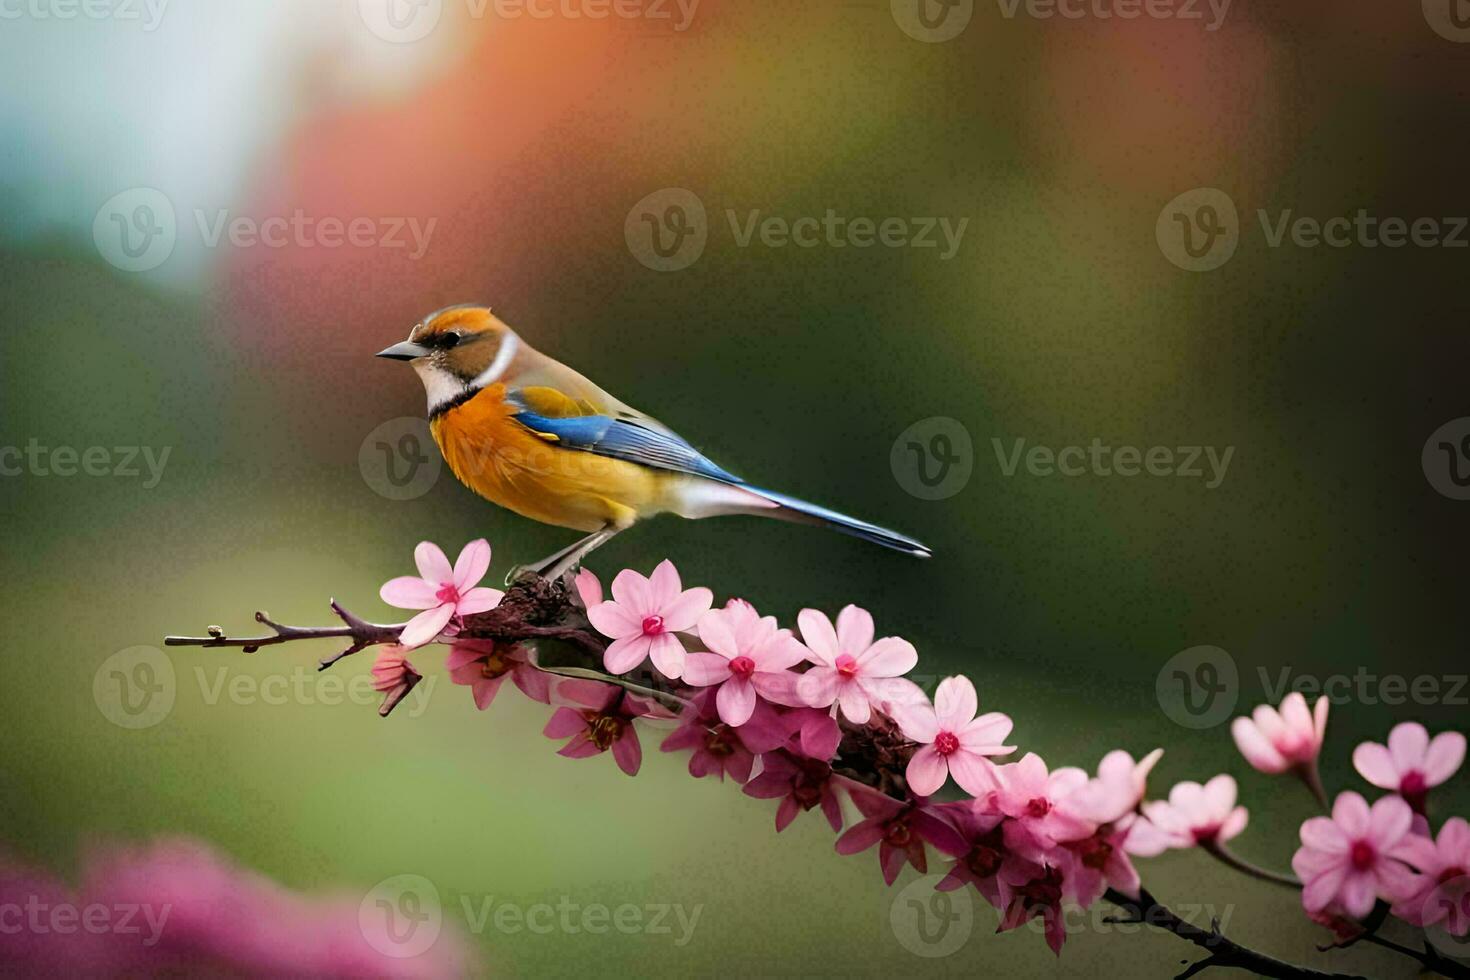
176 908
785 714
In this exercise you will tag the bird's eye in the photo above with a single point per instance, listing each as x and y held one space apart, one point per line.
451 340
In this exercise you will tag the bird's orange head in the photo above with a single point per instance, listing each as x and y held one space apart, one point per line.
456 352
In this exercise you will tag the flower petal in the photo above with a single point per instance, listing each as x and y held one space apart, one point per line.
1388 821
855 704
564 723
589 588
715 629
1350 813
408 592
704 669
1318 892
854 630
818 686
478 600
735 701
624 654
471 565
917 721
432 563
425 626
927 771
1375 764
1442 759
973 773
819 636
889 657
667 654
1321 834
1256 747
627 751
614 620
685 610
955 703
1408 743
664 585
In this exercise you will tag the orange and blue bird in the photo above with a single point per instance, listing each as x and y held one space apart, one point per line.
529 433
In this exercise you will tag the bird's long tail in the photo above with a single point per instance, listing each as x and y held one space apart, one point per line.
802 512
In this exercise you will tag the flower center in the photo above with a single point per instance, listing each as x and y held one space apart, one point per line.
494 666
604 730
1038 807
1044 891
717 743
1095 852
898 834
847 665
984 861
1363 855
742 666
653 625
448 593
806 794
1413 783
946 743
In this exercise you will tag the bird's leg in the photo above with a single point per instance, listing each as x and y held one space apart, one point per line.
554 565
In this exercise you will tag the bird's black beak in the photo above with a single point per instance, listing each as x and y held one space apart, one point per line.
406 351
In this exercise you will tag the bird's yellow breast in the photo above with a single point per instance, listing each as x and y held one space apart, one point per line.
508 464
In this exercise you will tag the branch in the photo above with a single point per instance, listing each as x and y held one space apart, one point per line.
537 609
1224 953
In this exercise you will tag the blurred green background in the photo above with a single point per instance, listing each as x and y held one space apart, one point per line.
528 141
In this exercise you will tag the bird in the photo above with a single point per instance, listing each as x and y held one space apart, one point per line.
536 437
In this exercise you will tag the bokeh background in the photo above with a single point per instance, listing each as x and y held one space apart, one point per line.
529 143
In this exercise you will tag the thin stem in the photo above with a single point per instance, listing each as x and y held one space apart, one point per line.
1431 958
1224 855
1308 774
668 698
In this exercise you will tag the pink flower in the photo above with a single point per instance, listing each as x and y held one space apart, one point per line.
1035 800
954 742
601 718
899 829
1348 857
444 594
483 665
1274 742
394 676
1412 763
720 749
1441 895
1193 814
643 617
852 671
811 733
750 657
800 784
1028 890
983 829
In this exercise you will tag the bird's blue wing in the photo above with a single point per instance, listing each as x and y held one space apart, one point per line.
624 439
